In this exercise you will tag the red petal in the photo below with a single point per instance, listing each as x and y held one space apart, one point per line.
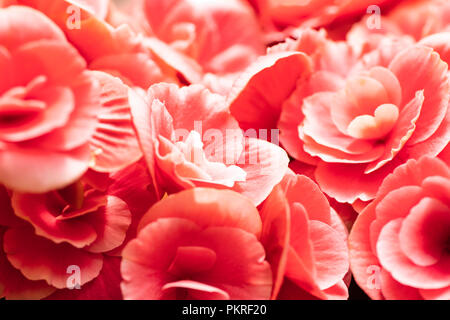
433 145
7 216
37 170
13 285
145 128
134 69
257 96
111 223
358 185
97 7
59 103
275 216
39 211
413 173
223 37
114 143
83 121
292 115
133 185
330 254
408 196
394 290
430 77
303 190
188 105
436 294
440 43
104 287
212 208
22 25
265 165
41 259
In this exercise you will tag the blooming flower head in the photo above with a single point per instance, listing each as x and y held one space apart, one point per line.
399 245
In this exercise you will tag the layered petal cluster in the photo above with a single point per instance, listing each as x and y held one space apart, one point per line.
399 245
306 242
387 114
208 42
198 244
355 116
212 149
104 41
48 104
313 13
425 17
70 238
189 139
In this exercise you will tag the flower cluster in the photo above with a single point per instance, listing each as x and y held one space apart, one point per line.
238 149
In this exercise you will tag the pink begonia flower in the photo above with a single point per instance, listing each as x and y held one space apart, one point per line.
85 226
117 50
198 244
280 14
399 245
355 117
190 139
306 242
48 104
208 42
425 17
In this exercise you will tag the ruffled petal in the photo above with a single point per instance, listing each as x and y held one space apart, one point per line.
230 209
265 165
402 269
36 170
257 96
114 142
431 77
41 259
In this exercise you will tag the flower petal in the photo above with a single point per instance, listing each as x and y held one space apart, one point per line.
402 269
114 142
41 259
420 68
230 209
257 96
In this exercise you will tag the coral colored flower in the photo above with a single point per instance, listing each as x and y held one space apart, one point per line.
208 42
357 119
309 64
198 244
116 50
313 13
399 245
383 117
84 225
425 17
306 242
189 139
48 104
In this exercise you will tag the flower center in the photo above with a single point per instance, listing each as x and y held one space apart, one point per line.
377 126
17 105
218 172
